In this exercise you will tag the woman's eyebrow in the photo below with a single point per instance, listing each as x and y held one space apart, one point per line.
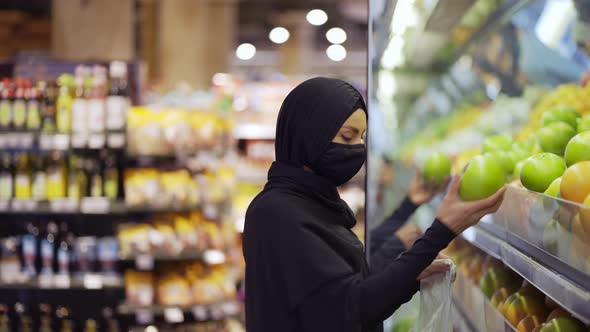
356 130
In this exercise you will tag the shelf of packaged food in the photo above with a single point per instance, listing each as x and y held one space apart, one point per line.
180 313
90 281
146 261
568 294
86 206
23 140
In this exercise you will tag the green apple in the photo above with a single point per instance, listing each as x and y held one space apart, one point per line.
496 278
482 178
553 189
554 137
506 159
584 124
497 143
561 114
437 168
540 170
563 324
518 169
578 148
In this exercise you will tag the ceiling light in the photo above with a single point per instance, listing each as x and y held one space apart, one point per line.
279 35
336 36
246 51
336 53
317 17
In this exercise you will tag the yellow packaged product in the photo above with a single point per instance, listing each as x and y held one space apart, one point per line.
133 238
139 287
173 289
142 187
145 134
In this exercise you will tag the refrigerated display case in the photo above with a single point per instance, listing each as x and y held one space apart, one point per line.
495 68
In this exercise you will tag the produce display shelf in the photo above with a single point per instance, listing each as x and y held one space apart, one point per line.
568 294
496 20
465 318
179 314
86 206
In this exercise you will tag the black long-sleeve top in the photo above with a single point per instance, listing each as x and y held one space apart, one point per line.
306 271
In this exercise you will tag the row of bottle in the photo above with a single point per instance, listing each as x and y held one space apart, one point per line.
22 318
80 103
47 250
30 176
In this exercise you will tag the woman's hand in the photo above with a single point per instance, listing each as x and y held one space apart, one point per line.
420 192
434 268
458 215
408 234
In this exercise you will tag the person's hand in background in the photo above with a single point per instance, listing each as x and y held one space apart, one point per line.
408 234
420 192
458 215
585 78
434 268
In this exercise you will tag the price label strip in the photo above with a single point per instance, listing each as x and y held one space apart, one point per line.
200 313
96 205
144 316
173 315
144 262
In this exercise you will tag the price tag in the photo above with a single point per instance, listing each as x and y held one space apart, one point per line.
45 142
62 281
92 281
116 141
25 140
96 141
45 281
61 142
199 313
211 211
63 205
3 141
24 205
144 262
217 312
79 141
12 140
95 205
144 316
4 205
230 308
173 315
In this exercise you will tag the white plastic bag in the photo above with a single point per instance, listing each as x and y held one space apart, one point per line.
435 314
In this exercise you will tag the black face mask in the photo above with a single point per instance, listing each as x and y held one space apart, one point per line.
340 162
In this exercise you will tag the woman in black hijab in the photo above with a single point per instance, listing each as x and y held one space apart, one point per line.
305 270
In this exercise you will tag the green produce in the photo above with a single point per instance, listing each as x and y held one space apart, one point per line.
553 189
554 137
561 114
437 168
506 159
563 324
540 170
496 278
578 149
481 178
403 325
584 124
518 169
497 143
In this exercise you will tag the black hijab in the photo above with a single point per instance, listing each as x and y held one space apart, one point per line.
309 118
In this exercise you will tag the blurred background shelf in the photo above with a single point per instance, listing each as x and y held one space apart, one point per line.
179 314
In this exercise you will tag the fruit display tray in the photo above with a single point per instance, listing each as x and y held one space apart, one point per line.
551 230
569 294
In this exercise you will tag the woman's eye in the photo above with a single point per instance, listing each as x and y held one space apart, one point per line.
346 138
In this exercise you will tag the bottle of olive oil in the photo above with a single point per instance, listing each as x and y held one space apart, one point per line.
77 181
56 180
39 181
22 178
64 104
111 176
33 98
6 177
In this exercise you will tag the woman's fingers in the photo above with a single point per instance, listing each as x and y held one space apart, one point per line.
454 188
432 269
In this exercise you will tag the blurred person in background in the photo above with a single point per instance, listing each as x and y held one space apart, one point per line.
306 271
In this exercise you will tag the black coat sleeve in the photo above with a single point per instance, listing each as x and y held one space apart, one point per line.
366 303
385 231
